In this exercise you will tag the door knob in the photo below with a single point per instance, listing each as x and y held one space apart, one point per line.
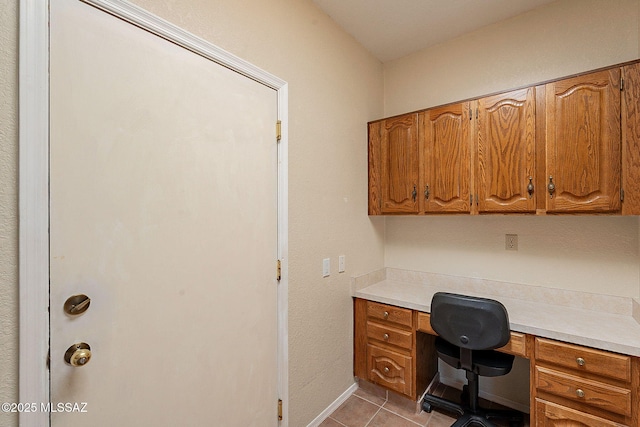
78 354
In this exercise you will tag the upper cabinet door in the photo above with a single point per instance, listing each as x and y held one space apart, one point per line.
399 164
583 143
446 135
505 176
631 140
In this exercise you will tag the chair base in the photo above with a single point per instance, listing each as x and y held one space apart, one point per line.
468 416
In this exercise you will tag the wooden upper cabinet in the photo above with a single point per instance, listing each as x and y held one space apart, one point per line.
583 143
445 178
505 174
574 141
631 140
399 164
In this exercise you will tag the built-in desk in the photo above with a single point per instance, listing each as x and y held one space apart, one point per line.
584 349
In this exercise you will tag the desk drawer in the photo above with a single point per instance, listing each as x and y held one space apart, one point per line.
553 415
585 391
517 344
583 359
390 369
385 313
424 323
389 335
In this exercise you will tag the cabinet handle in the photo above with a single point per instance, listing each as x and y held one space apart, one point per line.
426 192
386 315
580 393
551 187
530 187
580 361
414 193
386 337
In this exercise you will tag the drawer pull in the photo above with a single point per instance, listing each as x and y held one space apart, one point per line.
386 370
580 393
580 361
386 315
386 337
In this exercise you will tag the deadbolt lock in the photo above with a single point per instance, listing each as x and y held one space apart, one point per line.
76 304
78 354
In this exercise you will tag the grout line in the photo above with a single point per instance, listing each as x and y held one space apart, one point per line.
374 415
373 403
403 417
333 419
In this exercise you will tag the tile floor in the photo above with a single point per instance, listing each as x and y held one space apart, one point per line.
371 406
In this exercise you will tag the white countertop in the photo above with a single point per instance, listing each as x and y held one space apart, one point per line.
591 320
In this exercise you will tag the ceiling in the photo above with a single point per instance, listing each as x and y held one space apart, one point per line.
391 29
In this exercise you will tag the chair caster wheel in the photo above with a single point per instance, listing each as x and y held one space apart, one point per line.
426 406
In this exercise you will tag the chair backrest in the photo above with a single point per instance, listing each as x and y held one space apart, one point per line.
470 322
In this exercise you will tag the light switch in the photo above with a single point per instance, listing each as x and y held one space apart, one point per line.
326 267
341 264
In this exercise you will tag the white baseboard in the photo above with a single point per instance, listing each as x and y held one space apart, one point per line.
335 405
456 383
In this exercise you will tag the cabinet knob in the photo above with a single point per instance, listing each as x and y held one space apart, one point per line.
530 187
386 369
580 361
580 393
386 337
426 192
386 315
551 187
414 193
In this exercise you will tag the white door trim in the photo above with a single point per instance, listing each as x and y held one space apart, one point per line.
34 188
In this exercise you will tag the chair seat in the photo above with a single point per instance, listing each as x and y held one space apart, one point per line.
486 363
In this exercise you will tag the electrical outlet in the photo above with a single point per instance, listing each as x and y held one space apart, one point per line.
341 264
511 242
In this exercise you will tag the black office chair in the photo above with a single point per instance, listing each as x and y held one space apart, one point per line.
469 330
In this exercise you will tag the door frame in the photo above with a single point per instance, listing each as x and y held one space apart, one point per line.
33 194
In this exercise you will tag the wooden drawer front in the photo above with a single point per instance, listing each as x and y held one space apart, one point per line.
583 359
552 415
424 323
390 369
389 335
389 313
517 345
593 393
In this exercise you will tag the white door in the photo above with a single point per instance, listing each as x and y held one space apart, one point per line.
164 213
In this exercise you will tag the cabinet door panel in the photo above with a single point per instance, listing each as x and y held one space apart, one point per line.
399 164
447 146
631 140
583 142
390 369
506 152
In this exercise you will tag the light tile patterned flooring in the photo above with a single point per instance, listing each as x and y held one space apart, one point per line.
371 406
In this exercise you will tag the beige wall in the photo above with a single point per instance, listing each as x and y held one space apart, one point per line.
594 254
335 87
556 40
